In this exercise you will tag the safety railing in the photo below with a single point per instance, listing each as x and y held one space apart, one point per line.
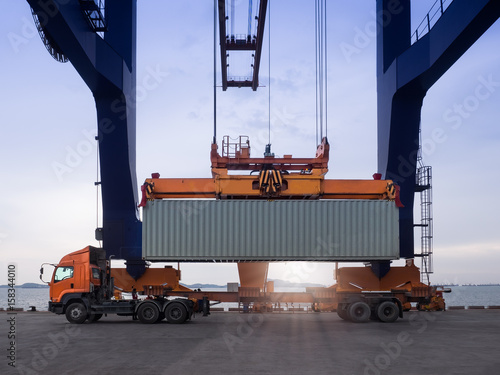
94 12
240 39
235 147
240 78
434 14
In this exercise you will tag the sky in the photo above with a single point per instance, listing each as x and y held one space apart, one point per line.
48 118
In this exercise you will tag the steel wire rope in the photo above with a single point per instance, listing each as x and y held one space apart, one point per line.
326 71
316 65
256 17
250 9
321 97
269 37
215 72
321 57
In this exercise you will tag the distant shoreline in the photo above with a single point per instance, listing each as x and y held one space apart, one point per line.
278 283
27 286
452 285
480 285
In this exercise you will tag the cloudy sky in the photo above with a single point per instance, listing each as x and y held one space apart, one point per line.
48 118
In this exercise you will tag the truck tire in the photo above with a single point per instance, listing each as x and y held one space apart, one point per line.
161 316
94 317
176 313
76 313
343 312
359 312
148 313
387 312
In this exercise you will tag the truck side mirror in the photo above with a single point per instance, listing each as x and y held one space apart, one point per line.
41 272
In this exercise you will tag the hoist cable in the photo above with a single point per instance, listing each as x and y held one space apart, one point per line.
269 36
232 18
316 63
326 72
215 72
321 70
250 9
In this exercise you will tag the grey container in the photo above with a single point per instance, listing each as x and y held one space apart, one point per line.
251 230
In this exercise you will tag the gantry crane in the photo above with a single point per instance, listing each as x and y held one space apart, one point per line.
98 38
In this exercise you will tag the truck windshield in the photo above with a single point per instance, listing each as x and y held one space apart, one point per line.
63 273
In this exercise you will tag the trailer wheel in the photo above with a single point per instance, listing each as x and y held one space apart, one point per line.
343 312
388 312
148 313
359 312
76 313
176 313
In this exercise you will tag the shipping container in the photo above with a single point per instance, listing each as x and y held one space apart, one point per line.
251 230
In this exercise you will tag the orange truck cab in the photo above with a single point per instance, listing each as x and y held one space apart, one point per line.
80 272
82 288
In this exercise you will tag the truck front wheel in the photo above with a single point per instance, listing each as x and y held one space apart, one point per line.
148 313
76 313
176 313
94 317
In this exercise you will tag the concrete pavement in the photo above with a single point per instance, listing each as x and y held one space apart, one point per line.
451 342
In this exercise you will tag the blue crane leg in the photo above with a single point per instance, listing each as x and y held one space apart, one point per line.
405 72
108 67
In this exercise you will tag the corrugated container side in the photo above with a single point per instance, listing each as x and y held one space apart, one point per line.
246 230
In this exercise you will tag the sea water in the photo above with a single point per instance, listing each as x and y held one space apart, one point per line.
483 295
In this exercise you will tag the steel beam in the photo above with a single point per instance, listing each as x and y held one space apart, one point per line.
239 84
222 42
259 41
298 186
244 46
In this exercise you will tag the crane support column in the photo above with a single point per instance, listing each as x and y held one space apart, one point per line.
405 72
107 64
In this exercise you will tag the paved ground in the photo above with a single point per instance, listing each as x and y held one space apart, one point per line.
452 342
